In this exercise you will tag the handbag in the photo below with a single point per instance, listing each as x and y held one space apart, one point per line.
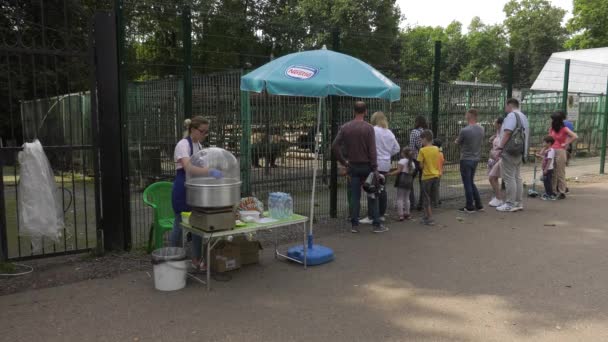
404 180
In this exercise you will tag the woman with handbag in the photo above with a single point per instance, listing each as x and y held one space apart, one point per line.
405 172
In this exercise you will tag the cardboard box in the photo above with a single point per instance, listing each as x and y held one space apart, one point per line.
249 250
225 257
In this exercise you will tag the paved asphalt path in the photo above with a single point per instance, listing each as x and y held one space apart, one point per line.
538 275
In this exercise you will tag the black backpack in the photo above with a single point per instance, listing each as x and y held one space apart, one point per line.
517 143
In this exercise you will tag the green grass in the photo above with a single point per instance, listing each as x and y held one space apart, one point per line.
74 214
67 178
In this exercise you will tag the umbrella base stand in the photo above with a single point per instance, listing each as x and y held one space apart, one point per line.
315 254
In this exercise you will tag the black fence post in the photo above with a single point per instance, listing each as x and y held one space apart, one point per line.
245 145
333 181
565 89
604 133
436 80
3 228
112 130
510 75
187 31
99 249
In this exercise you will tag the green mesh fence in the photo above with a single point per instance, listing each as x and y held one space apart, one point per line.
160 58
282 132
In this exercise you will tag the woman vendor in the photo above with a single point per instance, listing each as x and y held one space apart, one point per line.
197 130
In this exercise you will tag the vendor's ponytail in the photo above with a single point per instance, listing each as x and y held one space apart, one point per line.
187 123
195 122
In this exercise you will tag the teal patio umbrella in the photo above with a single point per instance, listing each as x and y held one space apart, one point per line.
319 73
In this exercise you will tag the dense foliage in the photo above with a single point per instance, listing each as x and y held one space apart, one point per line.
236 34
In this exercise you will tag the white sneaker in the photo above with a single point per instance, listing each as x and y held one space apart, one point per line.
495 202
518 207
366 220
506 208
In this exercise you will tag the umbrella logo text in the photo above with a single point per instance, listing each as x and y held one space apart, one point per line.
301 72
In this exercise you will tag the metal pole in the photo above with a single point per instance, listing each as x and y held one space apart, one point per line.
3 227
565 89
187 31
333 182
99 249
436 79
314 170
113 146
245 150
510 75
604 132
124 148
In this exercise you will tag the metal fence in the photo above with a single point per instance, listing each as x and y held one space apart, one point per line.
282 132
45 74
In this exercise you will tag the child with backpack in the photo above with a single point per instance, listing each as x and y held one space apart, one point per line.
405 172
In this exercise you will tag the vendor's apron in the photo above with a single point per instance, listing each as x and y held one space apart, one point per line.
178 195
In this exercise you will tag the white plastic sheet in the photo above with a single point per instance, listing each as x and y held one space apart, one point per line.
40 208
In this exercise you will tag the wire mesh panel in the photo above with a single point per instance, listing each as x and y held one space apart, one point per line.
216 97
539 106
282 149
588 126
153 69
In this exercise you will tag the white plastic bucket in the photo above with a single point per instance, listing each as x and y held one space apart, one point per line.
170 268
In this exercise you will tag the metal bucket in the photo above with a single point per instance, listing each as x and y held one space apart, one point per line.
213 193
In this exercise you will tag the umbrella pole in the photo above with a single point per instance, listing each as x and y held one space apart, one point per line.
314 173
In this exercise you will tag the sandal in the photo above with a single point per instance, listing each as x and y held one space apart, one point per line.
199 267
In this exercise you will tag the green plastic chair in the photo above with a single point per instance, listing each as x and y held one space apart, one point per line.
158 197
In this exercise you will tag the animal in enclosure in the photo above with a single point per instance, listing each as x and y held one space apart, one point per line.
307 141
268 147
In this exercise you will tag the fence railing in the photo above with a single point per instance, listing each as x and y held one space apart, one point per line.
282 132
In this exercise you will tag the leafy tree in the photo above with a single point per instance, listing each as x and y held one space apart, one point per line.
486 45
455 52
534 33
368 29
589 24
418 49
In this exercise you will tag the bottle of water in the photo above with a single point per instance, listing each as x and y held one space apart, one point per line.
280 205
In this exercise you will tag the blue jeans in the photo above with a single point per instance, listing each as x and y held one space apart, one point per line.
467 172
548 182
176 238
358 173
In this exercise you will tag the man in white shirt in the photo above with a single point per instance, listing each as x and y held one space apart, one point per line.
515 127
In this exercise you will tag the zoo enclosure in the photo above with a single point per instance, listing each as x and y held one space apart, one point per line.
281 127
156 97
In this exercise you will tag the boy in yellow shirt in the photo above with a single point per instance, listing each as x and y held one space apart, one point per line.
429 157
435 195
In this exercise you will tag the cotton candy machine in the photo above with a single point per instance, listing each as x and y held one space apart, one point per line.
213 200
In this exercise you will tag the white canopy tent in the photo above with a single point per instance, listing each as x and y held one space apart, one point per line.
588 72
